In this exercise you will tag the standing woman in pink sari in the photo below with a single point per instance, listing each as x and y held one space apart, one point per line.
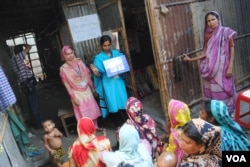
77 80
216 65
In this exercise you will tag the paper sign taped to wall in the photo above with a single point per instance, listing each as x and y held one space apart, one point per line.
84 28
116 65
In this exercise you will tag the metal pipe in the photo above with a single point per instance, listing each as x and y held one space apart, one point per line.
79 3
107 4
242 36
238 82
181 56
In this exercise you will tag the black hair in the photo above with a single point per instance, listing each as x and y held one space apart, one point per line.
212 13
18 48
208 110
105 38
191 132
207 107
47 120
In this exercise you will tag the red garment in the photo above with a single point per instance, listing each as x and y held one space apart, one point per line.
85 150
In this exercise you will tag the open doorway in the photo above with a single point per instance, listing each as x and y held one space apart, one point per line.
140 46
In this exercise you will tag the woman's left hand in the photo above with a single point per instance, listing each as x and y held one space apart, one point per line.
229 72
76 101
94 70
95 93
186 58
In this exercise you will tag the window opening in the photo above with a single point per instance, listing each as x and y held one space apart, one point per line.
33 56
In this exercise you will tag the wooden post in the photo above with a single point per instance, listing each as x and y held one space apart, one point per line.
126 46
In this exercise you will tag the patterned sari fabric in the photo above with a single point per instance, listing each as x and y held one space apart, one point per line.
179 114
77 80
85 150
142 122
233 138
211 138
214 66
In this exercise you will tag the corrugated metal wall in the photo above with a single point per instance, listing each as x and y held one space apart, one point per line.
177 28
109 14
237 17
76 8
172 36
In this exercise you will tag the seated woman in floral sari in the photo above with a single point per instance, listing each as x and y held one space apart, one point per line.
144 123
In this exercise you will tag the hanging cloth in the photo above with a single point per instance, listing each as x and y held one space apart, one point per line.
7 97
19 132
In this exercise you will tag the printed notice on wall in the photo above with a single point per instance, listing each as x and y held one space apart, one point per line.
84 28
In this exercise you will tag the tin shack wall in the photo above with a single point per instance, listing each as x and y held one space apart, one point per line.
77 8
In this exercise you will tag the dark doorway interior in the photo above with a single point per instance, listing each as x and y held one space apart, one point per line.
140 46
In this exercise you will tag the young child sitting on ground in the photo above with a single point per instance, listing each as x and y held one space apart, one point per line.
52 140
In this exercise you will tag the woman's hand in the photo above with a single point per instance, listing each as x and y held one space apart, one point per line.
186 58
229 71
95 93
75 101
94 70
130 122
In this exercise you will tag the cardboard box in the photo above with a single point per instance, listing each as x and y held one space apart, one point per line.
116 66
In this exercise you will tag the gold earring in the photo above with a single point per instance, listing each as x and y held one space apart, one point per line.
202 149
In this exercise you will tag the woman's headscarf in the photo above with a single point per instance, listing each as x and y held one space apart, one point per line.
179 114
211 138
64 50
86 148
233 138
130 148
143 122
